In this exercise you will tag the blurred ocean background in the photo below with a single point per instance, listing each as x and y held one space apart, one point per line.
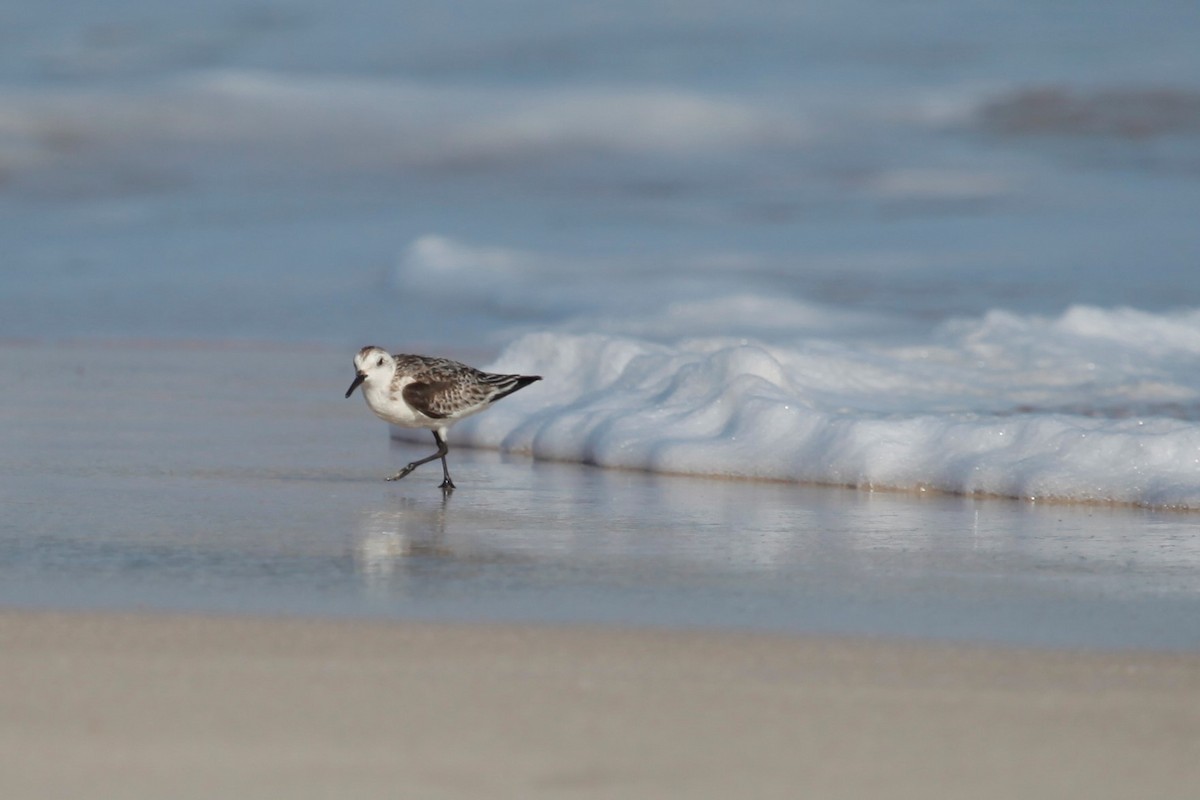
848 242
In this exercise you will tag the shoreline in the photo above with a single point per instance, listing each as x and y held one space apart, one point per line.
151 705
241 480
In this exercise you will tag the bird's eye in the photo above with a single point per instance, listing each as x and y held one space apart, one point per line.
380 364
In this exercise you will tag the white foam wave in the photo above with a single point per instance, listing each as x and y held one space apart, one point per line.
623 296
356 120
1002 405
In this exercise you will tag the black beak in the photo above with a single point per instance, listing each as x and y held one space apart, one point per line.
359 378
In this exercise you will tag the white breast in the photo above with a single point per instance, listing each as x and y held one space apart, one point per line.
388 404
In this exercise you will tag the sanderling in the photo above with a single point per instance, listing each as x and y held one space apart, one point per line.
431 393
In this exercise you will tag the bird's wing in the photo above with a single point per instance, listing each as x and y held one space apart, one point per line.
429 397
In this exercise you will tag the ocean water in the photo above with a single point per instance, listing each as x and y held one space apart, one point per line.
934 246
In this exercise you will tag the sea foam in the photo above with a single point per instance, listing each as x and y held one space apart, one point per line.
348 121
1093 405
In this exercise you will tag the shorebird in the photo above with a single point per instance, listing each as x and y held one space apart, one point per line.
431 393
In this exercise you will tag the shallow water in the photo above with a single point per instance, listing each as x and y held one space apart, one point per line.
239 480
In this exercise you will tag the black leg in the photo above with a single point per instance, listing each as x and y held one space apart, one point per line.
447 484
441 453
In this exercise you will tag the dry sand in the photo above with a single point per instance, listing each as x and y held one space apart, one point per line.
129 706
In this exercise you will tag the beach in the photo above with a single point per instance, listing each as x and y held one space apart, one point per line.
865 459
151 705
210 590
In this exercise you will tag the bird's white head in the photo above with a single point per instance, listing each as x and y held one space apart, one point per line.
372 365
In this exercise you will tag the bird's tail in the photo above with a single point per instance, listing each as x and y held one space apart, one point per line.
507 384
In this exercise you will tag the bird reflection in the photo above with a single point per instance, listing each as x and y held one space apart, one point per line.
390 538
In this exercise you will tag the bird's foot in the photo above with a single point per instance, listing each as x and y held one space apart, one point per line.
402 473
447 485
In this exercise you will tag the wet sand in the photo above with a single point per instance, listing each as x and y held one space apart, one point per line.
116 705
